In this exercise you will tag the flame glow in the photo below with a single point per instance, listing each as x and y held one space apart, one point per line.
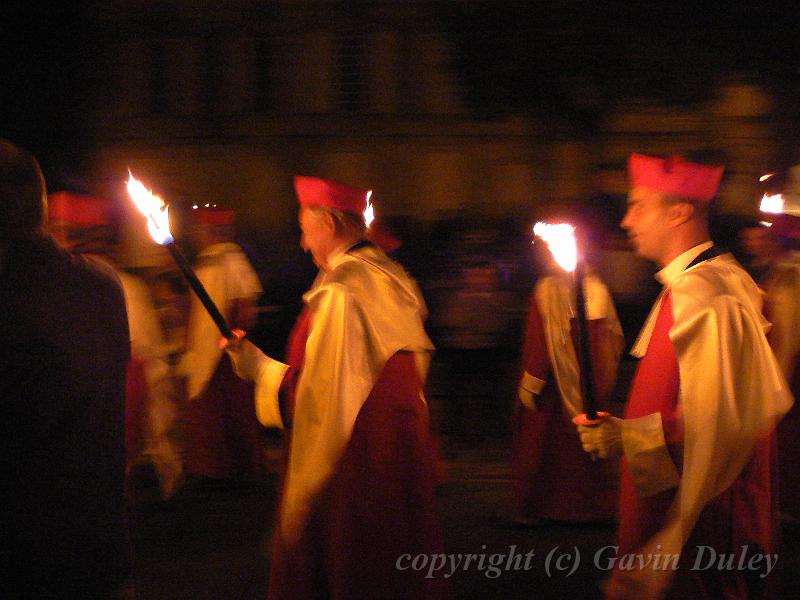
152 207
772 203
763 178
560 240
369 212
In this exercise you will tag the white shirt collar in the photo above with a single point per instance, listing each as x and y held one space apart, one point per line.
678 265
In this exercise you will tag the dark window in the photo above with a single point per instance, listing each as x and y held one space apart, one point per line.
158 85
352 69
265 74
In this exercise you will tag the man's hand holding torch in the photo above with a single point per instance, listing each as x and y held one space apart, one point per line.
245 356
603 439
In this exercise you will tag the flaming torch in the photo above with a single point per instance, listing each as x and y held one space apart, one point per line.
560 240
157 214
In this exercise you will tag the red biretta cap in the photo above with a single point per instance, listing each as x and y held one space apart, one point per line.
313 191
211 215
79 210
675 176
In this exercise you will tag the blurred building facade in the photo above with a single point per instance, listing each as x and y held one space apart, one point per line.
226 101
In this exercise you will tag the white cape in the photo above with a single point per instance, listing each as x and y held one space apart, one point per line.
363 310
732 392
555 299
227 276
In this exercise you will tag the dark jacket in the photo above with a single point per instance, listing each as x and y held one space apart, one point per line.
65 349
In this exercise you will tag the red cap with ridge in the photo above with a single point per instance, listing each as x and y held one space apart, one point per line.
208 215
79 210
675 176
313 191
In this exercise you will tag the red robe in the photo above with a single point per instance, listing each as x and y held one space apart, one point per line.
782 285
553 477
135 415
379 505
223 436
789 455
743 515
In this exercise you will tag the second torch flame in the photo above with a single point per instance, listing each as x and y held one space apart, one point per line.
560 240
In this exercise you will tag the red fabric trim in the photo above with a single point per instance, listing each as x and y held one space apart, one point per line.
223 435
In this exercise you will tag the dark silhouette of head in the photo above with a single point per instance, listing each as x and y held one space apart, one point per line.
23 194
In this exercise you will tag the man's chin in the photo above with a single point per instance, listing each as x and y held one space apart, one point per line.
319 264
638 251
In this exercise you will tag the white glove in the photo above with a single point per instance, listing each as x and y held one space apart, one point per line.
604 440
528 398
247 359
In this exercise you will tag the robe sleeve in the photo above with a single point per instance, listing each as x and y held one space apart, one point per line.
536 360
650 459
270 379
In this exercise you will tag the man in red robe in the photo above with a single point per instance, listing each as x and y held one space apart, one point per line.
223 437
698 504
358 496
553 478
774 248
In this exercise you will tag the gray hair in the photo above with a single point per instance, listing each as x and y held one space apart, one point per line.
345 222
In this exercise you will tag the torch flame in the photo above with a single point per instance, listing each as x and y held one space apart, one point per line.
369 212
772 203
152 207
560 240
